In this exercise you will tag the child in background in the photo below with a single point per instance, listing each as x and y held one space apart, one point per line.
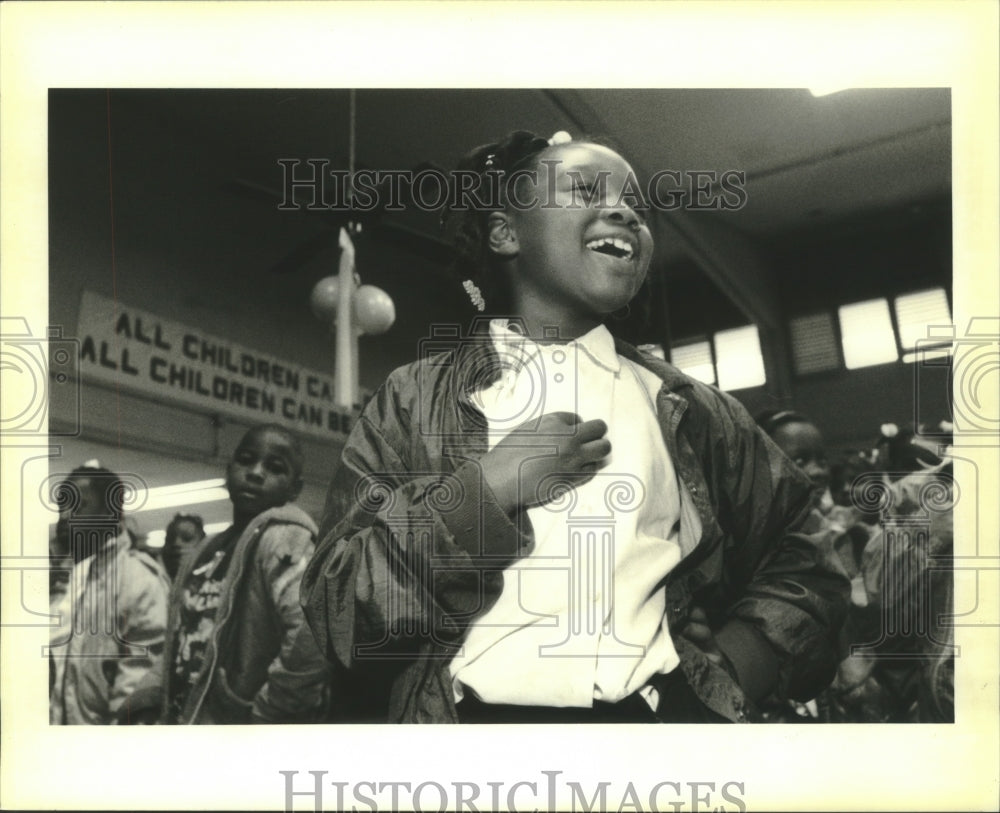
112 608
908 569
238 649
183 534
844 534
544 525
889 582
801 440
840 537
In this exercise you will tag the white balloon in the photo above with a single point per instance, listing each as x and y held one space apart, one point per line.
323 299
374 311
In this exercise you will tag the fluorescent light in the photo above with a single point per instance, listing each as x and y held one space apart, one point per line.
156 539
157 500
154 499
194 485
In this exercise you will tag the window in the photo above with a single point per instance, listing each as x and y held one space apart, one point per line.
814 344
924 321
866 334
695 360
738 359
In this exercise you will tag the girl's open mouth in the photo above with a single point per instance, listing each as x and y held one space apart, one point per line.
613 247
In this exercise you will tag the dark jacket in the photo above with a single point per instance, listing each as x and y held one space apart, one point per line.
262 663
413 543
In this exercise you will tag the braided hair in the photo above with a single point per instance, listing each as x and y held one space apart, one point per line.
770 420
467 227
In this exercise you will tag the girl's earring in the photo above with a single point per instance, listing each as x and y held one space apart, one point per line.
475 295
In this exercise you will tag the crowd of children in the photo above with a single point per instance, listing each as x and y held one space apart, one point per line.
886 522
226 642
545 525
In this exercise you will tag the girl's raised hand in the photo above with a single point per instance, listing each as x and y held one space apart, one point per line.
558 445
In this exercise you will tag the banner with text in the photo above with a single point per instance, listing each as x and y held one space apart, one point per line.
140 351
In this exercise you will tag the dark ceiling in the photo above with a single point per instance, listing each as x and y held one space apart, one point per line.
830 183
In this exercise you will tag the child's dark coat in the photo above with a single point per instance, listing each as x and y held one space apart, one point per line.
408 501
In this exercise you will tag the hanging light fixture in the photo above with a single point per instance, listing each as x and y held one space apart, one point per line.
350 308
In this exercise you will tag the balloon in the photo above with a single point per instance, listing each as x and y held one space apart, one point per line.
374 311
323 299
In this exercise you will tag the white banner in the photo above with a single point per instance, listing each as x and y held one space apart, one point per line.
140 351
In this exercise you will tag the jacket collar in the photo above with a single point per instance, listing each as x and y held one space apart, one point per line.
673 379
478 365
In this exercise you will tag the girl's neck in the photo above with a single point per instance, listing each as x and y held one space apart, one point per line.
539 314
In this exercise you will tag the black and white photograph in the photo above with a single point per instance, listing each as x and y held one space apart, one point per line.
339 404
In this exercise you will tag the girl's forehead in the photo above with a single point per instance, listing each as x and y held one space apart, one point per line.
583 155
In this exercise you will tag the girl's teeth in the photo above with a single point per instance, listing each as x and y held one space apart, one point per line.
621 245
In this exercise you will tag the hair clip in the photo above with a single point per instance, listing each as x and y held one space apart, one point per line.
475 295
561 137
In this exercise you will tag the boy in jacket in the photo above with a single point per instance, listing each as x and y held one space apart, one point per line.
238 649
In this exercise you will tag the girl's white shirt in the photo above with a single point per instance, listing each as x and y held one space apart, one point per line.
582 617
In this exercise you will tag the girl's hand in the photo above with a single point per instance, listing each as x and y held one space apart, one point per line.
700 634
518 464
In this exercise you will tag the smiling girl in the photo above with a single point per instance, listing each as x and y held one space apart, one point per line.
541 524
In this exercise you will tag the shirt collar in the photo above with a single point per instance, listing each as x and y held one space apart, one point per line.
516 350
